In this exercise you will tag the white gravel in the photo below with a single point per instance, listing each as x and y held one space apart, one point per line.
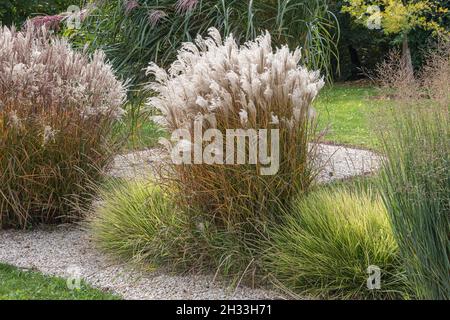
139 164
64 251
338 162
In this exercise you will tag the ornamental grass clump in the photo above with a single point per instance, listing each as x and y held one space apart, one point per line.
331 242
218 84
57 108
416 175
138 222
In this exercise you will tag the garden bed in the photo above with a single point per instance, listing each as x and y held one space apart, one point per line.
53 251
56 250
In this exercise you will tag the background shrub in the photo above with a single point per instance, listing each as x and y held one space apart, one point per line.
133 32
416 173
57 108
328 240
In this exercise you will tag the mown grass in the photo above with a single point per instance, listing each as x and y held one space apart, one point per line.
16 284
347 110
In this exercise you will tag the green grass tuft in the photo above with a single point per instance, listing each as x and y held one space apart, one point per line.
322 247
327 242
137 222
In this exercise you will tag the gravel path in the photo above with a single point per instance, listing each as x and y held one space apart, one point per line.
337 162
64 251
340 162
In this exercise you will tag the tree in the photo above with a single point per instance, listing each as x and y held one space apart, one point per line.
400 18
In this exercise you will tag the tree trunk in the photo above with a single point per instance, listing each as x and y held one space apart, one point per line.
406 56
356 63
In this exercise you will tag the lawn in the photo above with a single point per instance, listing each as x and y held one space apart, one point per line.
346 109
16 284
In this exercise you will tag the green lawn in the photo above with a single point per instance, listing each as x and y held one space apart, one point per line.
16 284
347 110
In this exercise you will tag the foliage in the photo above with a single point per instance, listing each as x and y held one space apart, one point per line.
16 284
15 12
400 18
140 223
135 32
227 86
345 110
416 175
396 16
360 49
57 108
327 242
137 222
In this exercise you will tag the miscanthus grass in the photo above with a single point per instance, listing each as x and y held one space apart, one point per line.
57 109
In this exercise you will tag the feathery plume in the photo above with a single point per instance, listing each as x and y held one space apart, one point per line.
130 5
183 6
155 16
